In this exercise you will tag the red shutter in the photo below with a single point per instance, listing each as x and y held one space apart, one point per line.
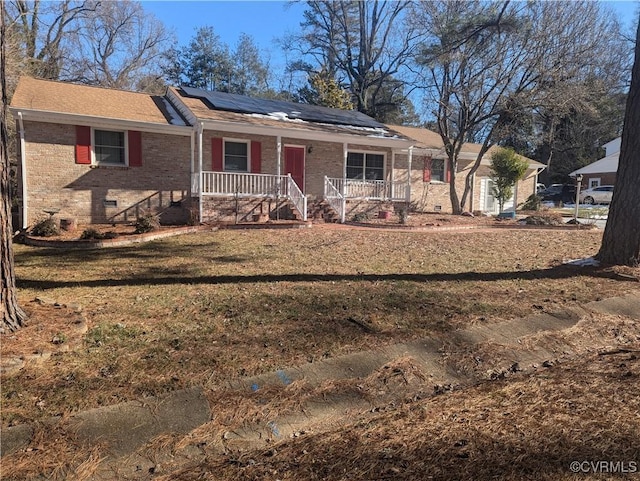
135 148
447 170
256 157
83 144
216 155
426 170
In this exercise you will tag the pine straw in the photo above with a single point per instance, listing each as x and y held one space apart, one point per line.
52 454
48 328
529 427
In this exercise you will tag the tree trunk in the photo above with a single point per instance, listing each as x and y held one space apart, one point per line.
12 316
621 240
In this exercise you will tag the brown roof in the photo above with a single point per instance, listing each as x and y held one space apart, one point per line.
202 111
67 98
428 139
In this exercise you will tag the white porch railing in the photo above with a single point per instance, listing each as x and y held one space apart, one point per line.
335 199
295 195
253 185
368 189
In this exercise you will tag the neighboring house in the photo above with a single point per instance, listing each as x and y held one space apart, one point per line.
602 171
102 155
430 175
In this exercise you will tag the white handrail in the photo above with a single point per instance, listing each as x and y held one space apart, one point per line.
334 198
295 195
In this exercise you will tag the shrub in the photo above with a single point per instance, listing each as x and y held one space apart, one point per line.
147 223
361 217
45 228
533 202
91 233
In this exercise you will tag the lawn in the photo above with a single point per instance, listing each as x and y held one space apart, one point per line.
211 307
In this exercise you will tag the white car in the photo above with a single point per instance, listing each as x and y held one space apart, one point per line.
597 195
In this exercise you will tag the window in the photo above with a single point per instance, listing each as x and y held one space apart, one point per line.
236 156
594 182
363 165
109 147
437 170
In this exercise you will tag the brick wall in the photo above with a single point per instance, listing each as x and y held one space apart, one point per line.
55 181
435 196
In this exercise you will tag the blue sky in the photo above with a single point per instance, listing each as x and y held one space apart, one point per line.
264 20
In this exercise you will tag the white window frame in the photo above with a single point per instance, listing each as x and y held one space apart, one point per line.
224 154
364 163
594 182
94 161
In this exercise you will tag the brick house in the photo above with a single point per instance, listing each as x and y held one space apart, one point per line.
104 155
430 175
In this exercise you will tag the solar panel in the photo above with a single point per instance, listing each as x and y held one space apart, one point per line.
310 113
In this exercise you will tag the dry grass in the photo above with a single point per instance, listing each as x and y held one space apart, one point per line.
207 308
204 308
529 427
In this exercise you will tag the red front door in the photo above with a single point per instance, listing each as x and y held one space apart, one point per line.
294 164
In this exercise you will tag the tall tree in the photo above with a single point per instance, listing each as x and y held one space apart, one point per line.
12 315
250 72
488 63
204 63
621 239
45 28
117 45
364 45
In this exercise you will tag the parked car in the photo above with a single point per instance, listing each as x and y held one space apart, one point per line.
597 195
540 187
558 193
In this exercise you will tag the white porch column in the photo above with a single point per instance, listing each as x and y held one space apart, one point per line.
23 167
279 159
409 160
393 167
345 153
200 141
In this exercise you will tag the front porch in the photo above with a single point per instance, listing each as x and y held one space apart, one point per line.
252 190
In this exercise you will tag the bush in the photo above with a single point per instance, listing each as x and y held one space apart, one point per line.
361 217
45 228
91 233
533 202
147 223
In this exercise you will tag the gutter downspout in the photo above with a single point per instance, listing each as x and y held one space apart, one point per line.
23 167
200 176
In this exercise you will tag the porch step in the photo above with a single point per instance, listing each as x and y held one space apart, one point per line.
321 211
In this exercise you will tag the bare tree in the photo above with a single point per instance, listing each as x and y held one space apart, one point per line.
621 239
364 45
116 45
45 28
13 316
486 63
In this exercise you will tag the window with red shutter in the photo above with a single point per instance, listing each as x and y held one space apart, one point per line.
216 155
426 170
135 148
256 157
83 144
